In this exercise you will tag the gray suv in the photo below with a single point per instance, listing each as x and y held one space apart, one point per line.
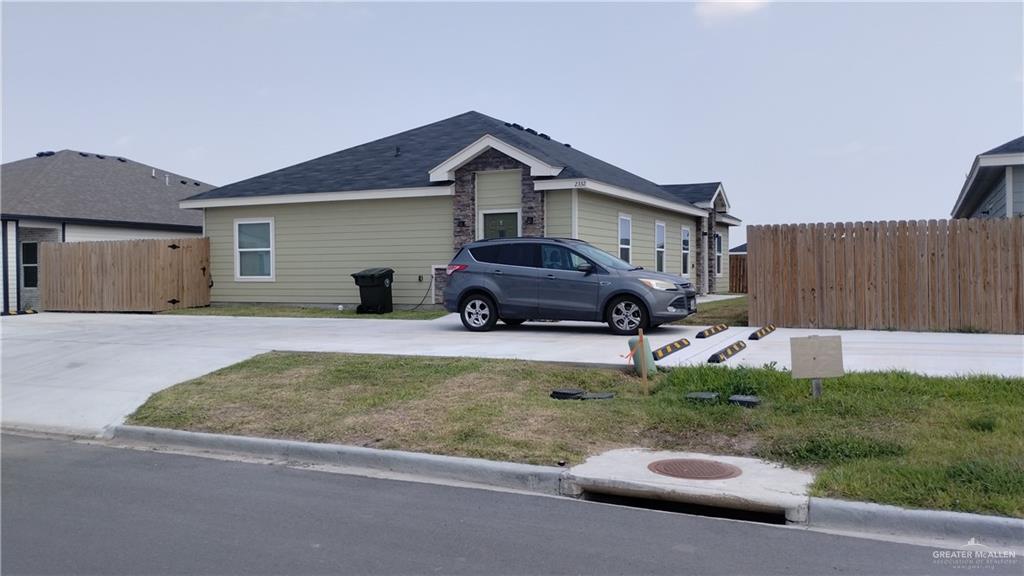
519 279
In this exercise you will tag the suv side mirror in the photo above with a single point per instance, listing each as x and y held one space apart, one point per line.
585 267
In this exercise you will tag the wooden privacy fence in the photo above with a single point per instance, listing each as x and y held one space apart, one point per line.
959 275
125 275
738 273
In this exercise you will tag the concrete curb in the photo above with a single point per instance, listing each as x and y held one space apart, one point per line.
527 477
956 527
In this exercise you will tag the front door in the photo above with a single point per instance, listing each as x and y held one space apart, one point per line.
565 292
500 225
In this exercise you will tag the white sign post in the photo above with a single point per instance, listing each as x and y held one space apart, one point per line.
816 357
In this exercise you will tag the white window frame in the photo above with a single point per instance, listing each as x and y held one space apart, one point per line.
718 254
664 242
685 246
618 235
480 220
24 265
237 250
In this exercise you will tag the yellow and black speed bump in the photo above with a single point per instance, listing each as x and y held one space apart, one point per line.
762 332
727 352
712 331
670 348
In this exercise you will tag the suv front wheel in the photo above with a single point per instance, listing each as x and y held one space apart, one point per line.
626 315
478 313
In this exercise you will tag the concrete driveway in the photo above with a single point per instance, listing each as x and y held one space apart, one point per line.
83 373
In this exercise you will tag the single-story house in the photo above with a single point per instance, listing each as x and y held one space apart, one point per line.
995 184
72 196
739 250
410 201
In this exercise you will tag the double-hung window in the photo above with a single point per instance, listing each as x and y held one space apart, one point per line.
718 254
254 249
30 264
625 237
659 246
686 250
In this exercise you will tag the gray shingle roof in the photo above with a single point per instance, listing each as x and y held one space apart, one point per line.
1014 146
693 193
741 249
77 185
404 160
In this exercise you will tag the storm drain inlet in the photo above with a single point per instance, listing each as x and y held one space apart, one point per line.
694 469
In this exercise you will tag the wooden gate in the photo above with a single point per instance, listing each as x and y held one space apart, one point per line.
943 275
125 275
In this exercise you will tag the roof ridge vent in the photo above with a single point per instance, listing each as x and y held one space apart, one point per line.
544 136
531 131
508 124
119 159
101 156
83 154
517 126
567 145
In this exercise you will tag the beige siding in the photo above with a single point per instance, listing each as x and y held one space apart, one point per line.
84 233
558 213
318 245
599 225
499 190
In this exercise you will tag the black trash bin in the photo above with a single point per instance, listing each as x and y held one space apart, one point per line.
374 290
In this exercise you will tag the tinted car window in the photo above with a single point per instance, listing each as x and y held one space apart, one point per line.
511 254
559 258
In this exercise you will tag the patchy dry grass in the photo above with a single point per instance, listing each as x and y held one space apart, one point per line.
732 312
281 311
890 437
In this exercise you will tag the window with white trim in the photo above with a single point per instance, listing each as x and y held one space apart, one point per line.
659 246
254 249
685 247
29 264
625 238
718 254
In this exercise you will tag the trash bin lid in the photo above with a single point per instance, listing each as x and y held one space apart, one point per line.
373 273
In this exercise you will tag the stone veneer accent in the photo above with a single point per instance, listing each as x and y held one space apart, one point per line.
440 282
702 258
464 202
712 227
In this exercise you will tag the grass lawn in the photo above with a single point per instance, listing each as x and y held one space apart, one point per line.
732 312
895 438
302 312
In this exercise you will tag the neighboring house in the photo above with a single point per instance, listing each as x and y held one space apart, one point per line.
410 201
995 185
72 196
739 250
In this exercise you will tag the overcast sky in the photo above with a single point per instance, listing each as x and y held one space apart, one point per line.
807 112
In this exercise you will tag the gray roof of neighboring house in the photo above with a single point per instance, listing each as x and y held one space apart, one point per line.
1014 146
693 193
405 159
72 185
741 249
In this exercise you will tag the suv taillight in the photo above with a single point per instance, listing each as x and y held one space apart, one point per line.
453 268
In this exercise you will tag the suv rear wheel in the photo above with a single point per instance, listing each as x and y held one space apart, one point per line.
478 313
626 315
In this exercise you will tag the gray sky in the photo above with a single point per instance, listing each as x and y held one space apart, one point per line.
807 112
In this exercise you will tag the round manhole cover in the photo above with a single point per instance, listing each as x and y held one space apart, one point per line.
694 469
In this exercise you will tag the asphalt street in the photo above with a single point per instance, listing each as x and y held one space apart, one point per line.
72 508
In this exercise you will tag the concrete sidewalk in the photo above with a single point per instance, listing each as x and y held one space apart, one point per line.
86 372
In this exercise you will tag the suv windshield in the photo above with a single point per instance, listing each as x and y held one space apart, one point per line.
601 257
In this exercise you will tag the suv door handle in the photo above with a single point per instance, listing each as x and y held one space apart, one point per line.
498 272
550 276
